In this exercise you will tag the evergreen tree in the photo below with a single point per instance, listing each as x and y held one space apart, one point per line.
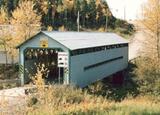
57 13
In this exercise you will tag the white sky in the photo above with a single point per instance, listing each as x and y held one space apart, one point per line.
132 8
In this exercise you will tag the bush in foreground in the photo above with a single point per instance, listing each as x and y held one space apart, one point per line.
65 100
147 76
68 100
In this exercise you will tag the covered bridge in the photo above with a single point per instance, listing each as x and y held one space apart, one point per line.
77 58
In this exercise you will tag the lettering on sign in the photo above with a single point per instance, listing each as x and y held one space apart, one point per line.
62 59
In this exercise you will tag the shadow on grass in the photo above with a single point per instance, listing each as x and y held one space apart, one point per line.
116 92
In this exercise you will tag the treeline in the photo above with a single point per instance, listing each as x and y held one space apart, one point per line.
21 19
57 13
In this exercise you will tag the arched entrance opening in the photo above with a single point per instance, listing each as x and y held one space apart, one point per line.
36 58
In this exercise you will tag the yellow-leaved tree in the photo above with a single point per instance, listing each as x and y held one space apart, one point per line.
25 20
151 23
5 36
3 16
148 65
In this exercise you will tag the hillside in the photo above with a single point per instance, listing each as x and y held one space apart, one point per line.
63 14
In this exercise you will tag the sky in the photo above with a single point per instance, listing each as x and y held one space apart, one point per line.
131 8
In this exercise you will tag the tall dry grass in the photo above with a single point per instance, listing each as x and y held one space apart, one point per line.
68 100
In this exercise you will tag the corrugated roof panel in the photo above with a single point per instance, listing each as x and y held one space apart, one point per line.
79 40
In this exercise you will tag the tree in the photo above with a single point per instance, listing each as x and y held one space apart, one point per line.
48 9
3 16
4 31
7 4
148 65
151 23
25 21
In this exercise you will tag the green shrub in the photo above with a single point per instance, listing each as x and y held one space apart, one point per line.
1 87
148 76
68 94
32 101
117 93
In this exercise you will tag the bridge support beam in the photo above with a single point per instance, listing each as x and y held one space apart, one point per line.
118 78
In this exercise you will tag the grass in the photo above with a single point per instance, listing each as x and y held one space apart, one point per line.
122 32
138 106
70 101
67 100
1 47
8 85
8 76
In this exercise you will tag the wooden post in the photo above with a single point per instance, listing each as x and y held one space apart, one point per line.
78 22
59 76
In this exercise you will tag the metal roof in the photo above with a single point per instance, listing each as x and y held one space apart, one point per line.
80 40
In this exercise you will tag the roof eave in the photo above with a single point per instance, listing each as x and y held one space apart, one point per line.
57 41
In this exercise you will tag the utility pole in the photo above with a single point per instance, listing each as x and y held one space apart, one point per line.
106 23
78 22
124 12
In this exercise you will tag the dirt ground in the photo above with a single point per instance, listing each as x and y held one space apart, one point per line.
136 43
12 100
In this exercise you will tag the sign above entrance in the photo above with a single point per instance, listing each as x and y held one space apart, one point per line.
62 59
44 43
